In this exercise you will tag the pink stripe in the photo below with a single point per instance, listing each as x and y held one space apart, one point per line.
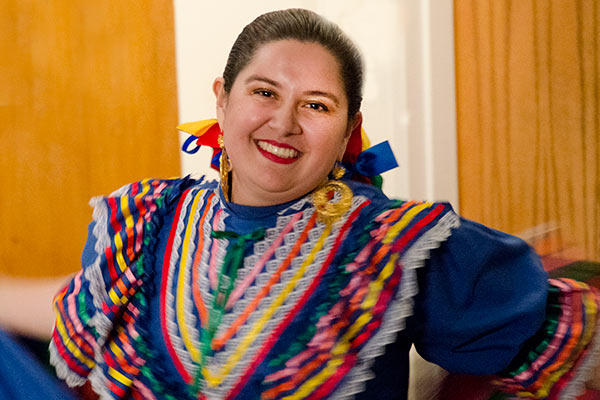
130 351
361 258
143 390
212 268
555 344
74 316
132 279
385 214
284 373
239 291
150 200
377 236
139 225
302 301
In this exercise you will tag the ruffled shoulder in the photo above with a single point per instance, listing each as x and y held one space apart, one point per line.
389 242
95 309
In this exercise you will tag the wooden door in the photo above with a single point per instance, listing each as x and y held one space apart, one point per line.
528 105
88 103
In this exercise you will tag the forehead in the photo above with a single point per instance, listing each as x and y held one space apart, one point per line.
296 62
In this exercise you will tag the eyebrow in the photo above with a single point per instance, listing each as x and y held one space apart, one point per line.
262 79
324 94
277 85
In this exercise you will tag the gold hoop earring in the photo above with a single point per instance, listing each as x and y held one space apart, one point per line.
333 198
224 167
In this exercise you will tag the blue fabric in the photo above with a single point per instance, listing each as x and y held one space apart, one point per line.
483 295
22 377
376 160
187 144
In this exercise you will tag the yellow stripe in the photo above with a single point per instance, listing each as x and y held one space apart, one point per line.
404 221
377 286
118 240
309 386
115 298
126 212
585 337
118 352
145 188
341 348
119 376
214 380
183 279
69 344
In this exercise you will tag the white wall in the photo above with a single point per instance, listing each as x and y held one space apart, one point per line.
409 83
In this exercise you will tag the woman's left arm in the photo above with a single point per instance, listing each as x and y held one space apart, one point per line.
487 307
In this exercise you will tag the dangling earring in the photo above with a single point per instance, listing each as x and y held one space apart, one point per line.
333 198
224 167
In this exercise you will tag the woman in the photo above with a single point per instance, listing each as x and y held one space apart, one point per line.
292 279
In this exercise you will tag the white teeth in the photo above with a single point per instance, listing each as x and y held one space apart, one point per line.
278 151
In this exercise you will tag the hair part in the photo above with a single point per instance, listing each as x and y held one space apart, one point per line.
304 26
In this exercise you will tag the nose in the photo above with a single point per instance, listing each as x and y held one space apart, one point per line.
285 120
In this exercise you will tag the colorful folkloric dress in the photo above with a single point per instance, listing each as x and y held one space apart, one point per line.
184 295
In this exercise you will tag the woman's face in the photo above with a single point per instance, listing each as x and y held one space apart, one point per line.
285 122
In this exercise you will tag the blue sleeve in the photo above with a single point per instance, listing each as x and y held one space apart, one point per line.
482 296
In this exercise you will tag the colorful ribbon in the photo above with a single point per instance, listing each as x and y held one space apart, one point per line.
359 158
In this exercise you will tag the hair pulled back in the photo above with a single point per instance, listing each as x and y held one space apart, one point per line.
305 26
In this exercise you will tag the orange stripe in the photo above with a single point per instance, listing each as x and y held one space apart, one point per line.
298 377
220 341
123 363
353 304
124 290
584 337
129 230
332 332
203 314
73 335
576 328
394 215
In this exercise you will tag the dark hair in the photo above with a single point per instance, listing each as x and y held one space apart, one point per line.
305 26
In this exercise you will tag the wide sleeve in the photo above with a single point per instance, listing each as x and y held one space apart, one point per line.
93 310
487 307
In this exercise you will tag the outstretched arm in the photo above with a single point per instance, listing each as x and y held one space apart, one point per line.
26 304
486 307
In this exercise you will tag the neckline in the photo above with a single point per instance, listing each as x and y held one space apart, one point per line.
255 212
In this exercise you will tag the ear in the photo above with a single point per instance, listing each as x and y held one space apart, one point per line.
354 124
221 97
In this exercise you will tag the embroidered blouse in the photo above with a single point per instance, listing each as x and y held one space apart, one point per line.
184 295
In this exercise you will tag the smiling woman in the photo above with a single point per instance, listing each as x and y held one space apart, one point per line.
295 276
285 122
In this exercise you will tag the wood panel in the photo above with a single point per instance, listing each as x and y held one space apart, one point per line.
527 75
88 104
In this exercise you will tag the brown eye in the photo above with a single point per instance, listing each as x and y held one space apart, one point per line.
264 93
318 107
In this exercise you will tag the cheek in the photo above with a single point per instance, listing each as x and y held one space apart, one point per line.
331 139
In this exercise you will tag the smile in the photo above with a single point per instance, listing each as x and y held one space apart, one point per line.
277 153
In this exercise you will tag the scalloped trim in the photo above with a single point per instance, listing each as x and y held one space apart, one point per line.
63 371
402 307
585 370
